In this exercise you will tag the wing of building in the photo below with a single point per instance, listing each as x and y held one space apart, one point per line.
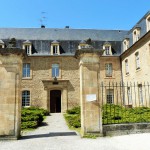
51 72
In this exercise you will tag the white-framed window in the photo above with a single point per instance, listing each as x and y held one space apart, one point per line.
27 45
136 35
26 70
129 96
108 69
55 48
125 44
137 60
127 66
148 23
55 70
107 48
27 49
140 94
25 98
110 96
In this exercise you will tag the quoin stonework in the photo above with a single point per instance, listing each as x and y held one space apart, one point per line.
64 67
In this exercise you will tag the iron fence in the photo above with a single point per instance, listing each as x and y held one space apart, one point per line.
125 102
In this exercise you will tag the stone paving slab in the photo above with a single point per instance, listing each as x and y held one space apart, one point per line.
57 136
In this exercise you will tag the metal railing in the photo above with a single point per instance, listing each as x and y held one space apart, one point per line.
125 102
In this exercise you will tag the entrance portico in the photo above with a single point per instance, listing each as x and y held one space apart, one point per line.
60 99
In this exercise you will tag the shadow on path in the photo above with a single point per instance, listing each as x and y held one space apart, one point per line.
51 134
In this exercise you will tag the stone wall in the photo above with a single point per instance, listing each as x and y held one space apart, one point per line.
41 70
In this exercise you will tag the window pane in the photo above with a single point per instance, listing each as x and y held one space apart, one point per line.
26 70
26 98
55 70
110 96
108 69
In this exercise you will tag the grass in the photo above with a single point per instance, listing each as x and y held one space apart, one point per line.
118 114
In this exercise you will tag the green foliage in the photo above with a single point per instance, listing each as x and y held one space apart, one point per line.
91 136
75 110
119 114
73 117
32 117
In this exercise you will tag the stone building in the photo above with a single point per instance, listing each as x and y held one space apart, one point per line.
52 73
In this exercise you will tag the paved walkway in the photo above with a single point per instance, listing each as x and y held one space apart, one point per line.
55 135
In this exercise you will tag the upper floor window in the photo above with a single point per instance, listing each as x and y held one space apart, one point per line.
26 70
26 98
55 70
137 60
107 48
125 44
127 66
108 69
28 47
136 34
148 23
55 48
2 45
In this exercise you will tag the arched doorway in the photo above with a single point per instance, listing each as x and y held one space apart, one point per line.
55 101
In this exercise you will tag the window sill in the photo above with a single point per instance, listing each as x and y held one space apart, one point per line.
110 77
26 78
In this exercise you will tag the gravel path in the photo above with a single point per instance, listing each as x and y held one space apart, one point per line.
55 135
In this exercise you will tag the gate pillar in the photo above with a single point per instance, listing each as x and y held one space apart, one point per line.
91 116
10 95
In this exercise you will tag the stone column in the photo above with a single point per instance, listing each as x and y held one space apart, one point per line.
10 93
91 117
64 100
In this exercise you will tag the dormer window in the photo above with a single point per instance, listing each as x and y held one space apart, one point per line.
2 45
107 48
136 34
82 44
55 48
125 44
148 23
27 45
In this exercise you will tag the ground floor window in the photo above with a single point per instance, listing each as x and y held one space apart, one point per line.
110 96
26 98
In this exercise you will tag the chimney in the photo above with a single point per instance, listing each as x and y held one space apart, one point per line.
67 27
42 26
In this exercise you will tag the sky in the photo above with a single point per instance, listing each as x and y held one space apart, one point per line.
78 14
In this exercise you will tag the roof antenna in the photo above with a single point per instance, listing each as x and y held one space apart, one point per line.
43 19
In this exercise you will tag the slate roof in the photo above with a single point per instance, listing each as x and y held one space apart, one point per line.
61 34
69 39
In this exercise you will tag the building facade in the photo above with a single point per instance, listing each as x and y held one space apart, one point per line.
51 70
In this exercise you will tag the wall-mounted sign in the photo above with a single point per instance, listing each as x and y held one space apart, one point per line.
91 97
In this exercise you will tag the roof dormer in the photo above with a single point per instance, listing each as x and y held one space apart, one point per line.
136 34
55 48
2 45
125 44
148 22
82 44
27 45
107 48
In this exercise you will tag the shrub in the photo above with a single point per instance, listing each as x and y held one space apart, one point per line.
72 117
32 117
75 110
